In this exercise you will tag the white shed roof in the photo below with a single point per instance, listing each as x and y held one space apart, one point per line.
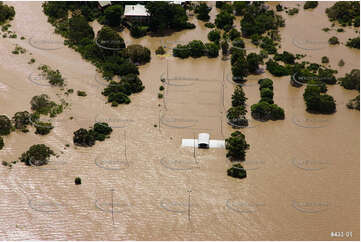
177 2
135 10
203 138
104 3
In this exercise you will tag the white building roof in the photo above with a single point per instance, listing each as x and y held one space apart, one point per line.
203 138
177 2
104 3
135 10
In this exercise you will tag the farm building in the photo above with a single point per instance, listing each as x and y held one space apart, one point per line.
203 140
136 13
104 3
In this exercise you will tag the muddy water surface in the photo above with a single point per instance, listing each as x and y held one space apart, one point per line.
303 172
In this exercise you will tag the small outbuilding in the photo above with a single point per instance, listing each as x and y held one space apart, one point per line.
203 140
104 3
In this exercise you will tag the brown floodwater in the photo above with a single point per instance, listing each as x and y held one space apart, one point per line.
303 173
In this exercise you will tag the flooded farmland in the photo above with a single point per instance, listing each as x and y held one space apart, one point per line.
303 172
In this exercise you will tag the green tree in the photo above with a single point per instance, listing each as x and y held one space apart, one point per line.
214 35
138 54
239 97
79 29
202 11
224 20
236 146
351 80
333 40
37 155
83 138
310 4
253 61
197 48
107 38
237 171
21 119
5 125
113 14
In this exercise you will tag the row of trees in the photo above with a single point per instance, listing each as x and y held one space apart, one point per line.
265 109
243 65
236 146
196 49
236 114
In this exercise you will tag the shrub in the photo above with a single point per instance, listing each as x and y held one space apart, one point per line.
102 128
279 8
341 63
354 43
137 53
81 93
1 143
236 146
354 103
42 104
160 95
5 125
37 155
54 77
160 51
293 11
333 40
310 4
161 88
351 80
43 128
77 181
237 171
325 60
